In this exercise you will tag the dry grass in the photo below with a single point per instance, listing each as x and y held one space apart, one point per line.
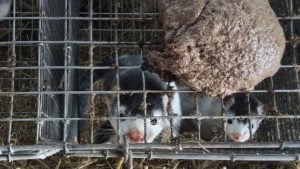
27 105
59 162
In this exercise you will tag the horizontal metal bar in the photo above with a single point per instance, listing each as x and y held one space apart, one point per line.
193 156
194 146
94 13
132 92
19 112
76 18
178 155
122 13
133 118
219 145
58 146
92 67
41 155
67 67
231 157
107 154
80 42
15 152
95 29
153 146
126 30
86 45
18 78
290 66
108 18
289 17
71 42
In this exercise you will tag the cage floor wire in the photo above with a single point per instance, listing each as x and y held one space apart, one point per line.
47 46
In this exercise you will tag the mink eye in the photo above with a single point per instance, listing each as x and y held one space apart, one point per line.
122 115
229 121
153 121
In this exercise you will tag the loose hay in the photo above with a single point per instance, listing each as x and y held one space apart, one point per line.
58 162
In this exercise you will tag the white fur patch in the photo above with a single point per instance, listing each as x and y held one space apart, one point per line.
152 131
176 104
165 101
238 128
131 125
261 110
242 129
4 8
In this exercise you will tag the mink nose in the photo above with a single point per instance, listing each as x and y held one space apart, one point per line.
136 137
238 137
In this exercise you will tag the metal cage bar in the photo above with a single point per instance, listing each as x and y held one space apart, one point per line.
108 28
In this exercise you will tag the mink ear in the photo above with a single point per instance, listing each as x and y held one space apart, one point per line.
261 110
228 101
110 100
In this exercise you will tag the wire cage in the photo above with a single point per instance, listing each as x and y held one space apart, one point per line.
47 46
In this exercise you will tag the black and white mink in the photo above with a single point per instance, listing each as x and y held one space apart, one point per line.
132 104
237 129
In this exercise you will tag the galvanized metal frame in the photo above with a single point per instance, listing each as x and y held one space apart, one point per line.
280 149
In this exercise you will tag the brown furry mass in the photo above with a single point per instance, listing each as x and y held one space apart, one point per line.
219 47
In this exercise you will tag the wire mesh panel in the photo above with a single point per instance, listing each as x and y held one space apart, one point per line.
51 98
60 54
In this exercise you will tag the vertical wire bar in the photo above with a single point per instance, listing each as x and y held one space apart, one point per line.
155 18
100 26
143 75
130 160
32 47
100 36
19 48
122 23
145 107
290 131
275 107
294 60
67 53
40 78
9 34
250 120
117 71
199 130
197 111
13 64
133 21
142 26
91 53
172 115
297 123
224 120
294 46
